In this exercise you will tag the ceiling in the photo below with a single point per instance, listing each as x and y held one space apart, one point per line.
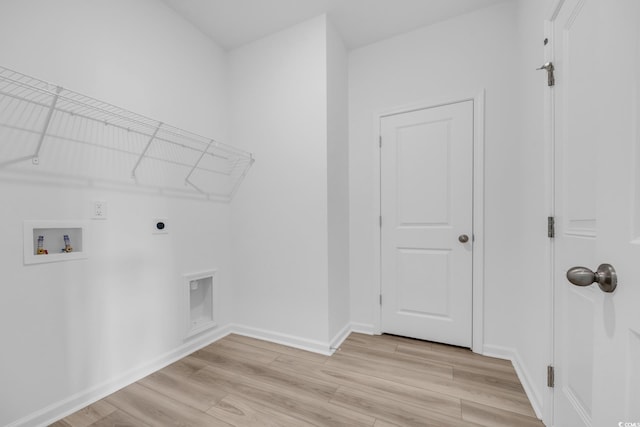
232 23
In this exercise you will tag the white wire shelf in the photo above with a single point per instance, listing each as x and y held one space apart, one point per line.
49 131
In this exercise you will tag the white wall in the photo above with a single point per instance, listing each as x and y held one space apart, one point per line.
71 330
279 112
290 222
338 182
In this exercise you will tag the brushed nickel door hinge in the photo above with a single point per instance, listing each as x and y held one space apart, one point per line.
551 227
550 376
380 299
380 141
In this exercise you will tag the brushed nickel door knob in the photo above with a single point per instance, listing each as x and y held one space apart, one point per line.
605 276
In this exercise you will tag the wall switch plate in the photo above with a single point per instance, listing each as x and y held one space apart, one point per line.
99 209
160 226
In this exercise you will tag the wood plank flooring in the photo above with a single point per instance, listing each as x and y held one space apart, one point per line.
381 381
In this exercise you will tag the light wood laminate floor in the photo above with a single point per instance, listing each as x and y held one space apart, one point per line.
380 381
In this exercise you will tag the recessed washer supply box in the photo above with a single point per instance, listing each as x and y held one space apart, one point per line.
53 233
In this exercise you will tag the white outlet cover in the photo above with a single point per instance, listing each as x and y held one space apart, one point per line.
99 209
158 228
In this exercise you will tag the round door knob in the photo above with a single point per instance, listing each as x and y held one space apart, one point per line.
605 276
463 238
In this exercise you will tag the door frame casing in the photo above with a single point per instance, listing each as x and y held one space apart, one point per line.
478 99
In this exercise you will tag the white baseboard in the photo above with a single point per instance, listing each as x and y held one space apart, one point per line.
314 346
73 403
340 337
363 328
523 374
284 339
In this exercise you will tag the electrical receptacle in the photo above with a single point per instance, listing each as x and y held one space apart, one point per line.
160 226
99 209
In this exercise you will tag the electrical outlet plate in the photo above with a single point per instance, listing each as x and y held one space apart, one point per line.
99 209
160 226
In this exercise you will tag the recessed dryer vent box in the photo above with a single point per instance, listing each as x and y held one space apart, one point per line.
201 300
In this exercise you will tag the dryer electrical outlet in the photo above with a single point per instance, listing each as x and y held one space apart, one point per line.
160 226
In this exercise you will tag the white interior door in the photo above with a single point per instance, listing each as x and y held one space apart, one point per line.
597 334
426 206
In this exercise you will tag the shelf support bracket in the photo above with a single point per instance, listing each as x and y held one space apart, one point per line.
35 159
195 166
242 176
153 136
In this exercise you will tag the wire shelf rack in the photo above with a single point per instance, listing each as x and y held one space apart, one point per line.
50 131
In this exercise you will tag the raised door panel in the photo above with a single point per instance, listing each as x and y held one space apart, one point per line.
578 376
579 128
423 157
423 282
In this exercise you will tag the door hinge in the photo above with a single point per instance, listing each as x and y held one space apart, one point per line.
551 227
550 376
380 221
380 299
380 141
551 79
